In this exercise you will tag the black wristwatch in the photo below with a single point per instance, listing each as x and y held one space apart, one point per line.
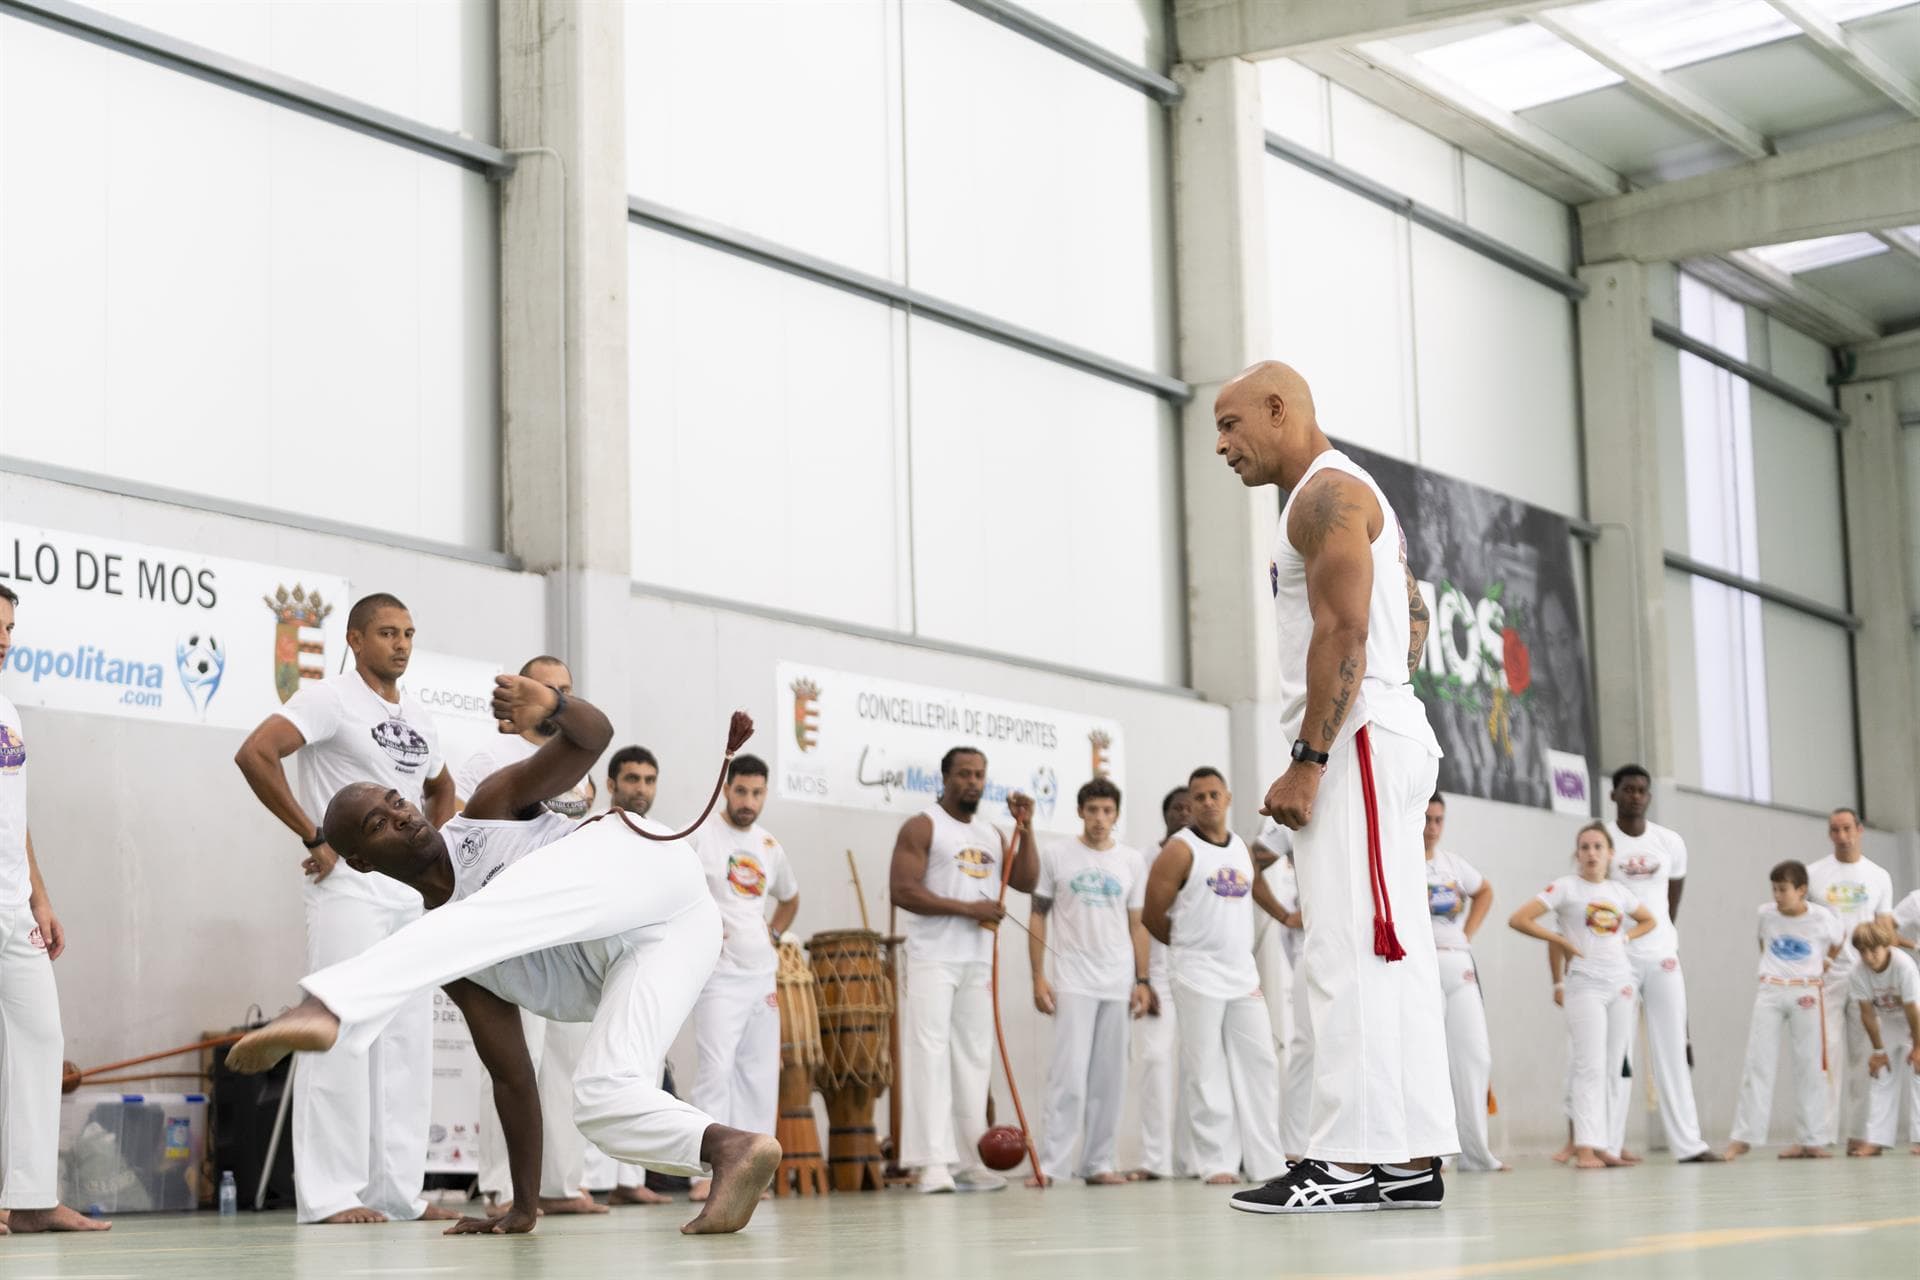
319 838
1143 982
1307 755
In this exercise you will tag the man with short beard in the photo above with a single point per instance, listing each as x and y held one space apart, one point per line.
633 776
1859 891
946 876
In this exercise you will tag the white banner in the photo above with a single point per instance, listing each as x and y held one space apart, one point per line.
457 1080
120 629
459 694
866 743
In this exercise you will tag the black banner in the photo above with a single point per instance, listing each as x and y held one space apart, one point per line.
1504 676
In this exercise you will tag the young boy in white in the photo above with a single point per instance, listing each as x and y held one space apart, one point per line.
1458 899
1652 861
1858 891
1086 911
1591 911
1886 990
1798 940
736 1025
1200 899
360 1116
1296 1063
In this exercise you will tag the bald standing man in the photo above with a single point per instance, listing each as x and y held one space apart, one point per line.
1351 626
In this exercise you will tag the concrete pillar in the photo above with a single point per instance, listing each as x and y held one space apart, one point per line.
1872 471
1623 496
563 326
1220 251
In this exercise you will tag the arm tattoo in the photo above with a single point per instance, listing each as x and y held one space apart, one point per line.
1420 622
1323 508
1337 715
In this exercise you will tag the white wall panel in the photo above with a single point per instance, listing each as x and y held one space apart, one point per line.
1497 381
1134 29
1294 103
1042 201
771 117
763 449
1796 477
1338 268
201 291
1810 710
1045 510
1391 151
1516 214
1683 686
1801 360
430 60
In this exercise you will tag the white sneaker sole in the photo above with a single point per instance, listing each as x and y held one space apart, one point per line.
1245 1206
1408 1204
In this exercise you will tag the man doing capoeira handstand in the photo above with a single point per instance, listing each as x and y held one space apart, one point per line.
583 923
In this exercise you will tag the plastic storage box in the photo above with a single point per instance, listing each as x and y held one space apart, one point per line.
131 1152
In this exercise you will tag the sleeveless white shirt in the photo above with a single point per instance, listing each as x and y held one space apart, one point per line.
963 861
1386 697
1212 920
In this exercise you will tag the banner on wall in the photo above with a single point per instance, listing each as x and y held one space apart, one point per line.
459 694
1504 676
123 629
453 1128
862 742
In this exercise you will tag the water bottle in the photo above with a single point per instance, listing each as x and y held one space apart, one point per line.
229 1195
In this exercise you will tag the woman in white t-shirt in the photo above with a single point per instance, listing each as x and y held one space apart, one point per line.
1592 912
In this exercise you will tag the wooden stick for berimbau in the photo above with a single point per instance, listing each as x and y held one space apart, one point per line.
860 895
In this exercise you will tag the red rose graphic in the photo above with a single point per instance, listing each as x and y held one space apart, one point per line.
1518 662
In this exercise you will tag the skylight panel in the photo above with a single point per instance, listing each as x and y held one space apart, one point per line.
1799 256
1517 67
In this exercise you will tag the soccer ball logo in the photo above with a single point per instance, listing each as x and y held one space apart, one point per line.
201 662
1046 790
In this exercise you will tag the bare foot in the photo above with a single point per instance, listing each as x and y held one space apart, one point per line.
439 1213
1223 1180
699 1189
499 1208
637 1195
1148 1175
26 1222
1865 1149
1915 1150
1107 1180
1798 1152
1736 1149
1564 1154
309 1026
1039 1180
576 1204
1627 1157
1588 1158
355 1216
743 1165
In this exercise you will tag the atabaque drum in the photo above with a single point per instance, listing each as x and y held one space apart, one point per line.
855 1000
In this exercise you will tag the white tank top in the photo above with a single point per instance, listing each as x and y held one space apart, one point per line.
1212 918
963 861
1386 694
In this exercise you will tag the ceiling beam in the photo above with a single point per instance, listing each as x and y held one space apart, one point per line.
1860 183
1893 356
1206 29
1656 86
1405 86
1851 56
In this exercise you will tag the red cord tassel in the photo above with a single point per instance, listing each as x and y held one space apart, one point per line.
739 729
1386 942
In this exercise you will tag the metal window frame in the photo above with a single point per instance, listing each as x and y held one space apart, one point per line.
1077 47
1774 386
205 504
1775 595
259 82
716 235
674 595
1427 216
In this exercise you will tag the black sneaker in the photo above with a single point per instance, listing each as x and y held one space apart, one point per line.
1307 1187
1422 1190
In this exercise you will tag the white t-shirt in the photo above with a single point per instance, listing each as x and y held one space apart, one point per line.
1891 990
512 748
1089 932
1794 948
16 885
1645 864
1906 916
1595 918
1451 884
354 735
1856 892
1212 920
963 862
743 870
1284 880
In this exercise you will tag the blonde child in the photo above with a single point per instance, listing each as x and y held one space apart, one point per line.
1886 990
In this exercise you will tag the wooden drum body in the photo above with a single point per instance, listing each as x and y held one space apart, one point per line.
856 1018
801 1168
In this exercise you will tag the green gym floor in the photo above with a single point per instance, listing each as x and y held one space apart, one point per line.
1755 1219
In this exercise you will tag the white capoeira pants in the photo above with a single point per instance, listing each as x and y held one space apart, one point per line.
1792 1011
555 1048
1847 1051
1599 1024
1166 1139
1086 1085
946 1037
1662 990
1469 1057
360 1116
604 1173
1381 1091
1230 1076
736 1032
649 926
1885 1090
30 1046
1296 1086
